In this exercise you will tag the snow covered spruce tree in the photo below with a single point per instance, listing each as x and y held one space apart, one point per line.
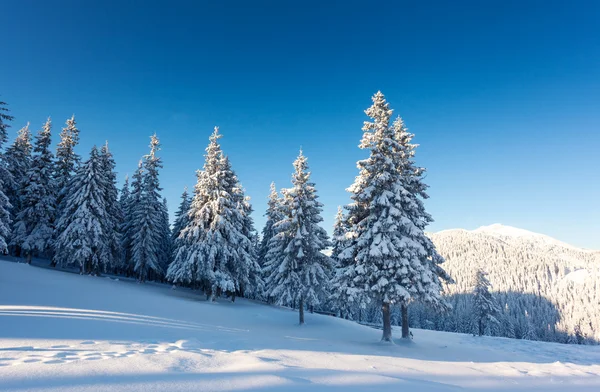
66 159
245 268
84 226
33 229
273 215
177 240
485 307
384 253
112 251
146 219
417 192
18 161
181 215
343 298
123 206
5 181
213 249
4 119
298 271
129 202
166 248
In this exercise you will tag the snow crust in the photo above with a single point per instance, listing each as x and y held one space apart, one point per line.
65 332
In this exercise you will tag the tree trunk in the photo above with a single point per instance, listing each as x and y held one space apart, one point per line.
481 327
233 297
387 322
405 330
301 310
29 256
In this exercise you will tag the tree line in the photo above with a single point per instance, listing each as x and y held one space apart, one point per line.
70 211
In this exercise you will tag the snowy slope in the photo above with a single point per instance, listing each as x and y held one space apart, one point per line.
65 332
525 269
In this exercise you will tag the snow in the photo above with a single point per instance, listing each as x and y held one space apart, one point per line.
506 231
503 231
578 276
66 332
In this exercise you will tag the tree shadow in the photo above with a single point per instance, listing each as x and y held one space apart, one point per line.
523 316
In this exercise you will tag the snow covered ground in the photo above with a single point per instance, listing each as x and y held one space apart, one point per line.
65 332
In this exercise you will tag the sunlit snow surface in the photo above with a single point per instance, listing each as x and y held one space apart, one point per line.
64 332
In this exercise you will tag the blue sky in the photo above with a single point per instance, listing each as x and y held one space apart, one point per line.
503 96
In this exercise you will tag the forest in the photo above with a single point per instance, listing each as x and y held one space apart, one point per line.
379 266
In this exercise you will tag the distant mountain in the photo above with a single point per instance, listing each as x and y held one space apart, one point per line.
549 289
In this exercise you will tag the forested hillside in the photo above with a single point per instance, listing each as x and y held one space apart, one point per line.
546 289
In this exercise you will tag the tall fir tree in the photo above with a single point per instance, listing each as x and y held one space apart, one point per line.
343 299
146 218
298 269
166 250
4 123
67 159
181 215
82 225
33 230
124 197
244 266
212 249
112 251
485 307
273 215
178 241
128 230
5 181
416 192
385 255
18 162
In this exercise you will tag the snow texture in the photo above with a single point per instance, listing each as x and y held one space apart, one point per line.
123 336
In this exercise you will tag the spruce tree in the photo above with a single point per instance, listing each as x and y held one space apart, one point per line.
178 242
4 119
128 230
384 253
166 249
33 230
5 181
146 226
244 266
181 215
112 251
274 259
416 192
343 298
485 307
66 159
299 271
213 249
18 161
82 236
273 215
124 198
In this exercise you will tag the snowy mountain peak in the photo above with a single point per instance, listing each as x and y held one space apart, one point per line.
506 231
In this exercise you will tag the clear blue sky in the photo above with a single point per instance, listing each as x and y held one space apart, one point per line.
503 96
